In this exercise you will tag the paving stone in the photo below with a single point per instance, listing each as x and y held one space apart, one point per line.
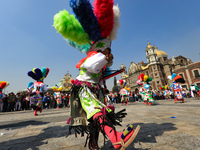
23 131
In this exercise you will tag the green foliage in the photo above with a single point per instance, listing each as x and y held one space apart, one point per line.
115 89
115 81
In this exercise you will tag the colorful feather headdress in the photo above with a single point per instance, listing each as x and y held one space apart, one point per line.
3 84
143 78
39 75
92 28
176 78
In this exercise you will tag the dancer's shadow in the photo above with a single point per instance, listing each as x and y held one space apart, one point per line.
34 141
147 134
20 124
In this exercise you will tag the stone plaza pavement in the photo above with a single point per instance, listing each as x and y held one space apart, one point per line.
164 126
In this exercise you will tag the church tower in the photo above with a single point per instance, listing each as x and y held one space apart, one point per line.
155 66
123 74
151 54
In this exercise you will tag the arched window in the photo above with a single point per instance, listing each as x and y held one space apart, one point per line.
181 60
196 73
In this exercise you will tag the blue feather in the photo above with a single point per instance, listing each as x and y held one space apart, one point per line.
83 48
33 75
85 15
38 72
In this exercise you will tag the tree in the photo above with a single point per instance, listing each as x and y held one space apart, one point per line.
115 87
115 81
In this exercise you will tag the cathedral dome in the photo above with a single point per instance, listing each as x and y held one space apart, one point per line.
161 53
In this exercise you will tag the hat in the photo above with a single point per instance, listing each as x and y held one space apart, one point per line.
92 27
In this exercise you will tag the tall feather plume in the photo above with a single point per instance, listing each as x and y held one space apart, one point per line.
114 32
83 48
103 10
38 73
44 71
47 72
85 15
33 75
70 28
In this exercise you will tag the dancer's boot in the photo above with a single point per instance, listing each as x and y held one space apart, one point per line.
120 140
40 109
35 113
126 102
175 100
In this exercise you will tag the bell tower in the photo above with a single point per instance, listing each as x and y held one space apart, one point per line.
151 54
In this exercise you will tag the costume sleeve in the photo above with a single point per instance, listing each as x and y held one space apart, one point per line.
45 87
31 87
95 63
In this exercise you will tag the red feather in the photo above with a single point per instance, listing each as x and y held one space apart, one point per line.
47 72
103 9
3 84
72 81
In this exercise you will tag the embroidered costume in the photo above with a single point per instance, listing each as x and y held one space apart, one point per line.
37 89
92 33
176 88
123 92
57 97
145 91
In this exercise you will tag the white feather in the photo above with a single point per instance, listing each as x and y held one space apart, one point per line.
114 32
169 77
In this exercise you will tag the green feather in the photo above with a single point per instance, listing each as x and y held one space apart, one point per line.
70 28
100 44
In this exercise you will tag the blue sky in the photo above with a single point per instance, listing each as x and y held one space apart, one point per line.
28 40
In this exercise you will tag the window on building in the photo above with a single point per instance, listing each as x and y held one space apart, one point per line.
155 74
154 68
196 73
181 60
198 84
165 58
184 86
158 82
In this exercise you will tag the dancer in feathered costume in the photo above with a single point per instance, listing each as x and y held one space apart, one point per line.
123 92
91 32
145 91
3 84
176 88
166 92
37 89
194 90
57 96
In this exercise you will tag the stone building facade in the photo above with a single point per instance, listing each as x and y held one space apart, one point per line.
159 67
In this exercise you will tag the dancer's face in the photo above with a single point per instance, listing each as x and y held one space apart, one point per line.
108 54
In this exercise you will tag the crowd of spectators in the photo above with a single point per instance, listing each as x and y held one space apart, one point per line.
136 97
21 102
